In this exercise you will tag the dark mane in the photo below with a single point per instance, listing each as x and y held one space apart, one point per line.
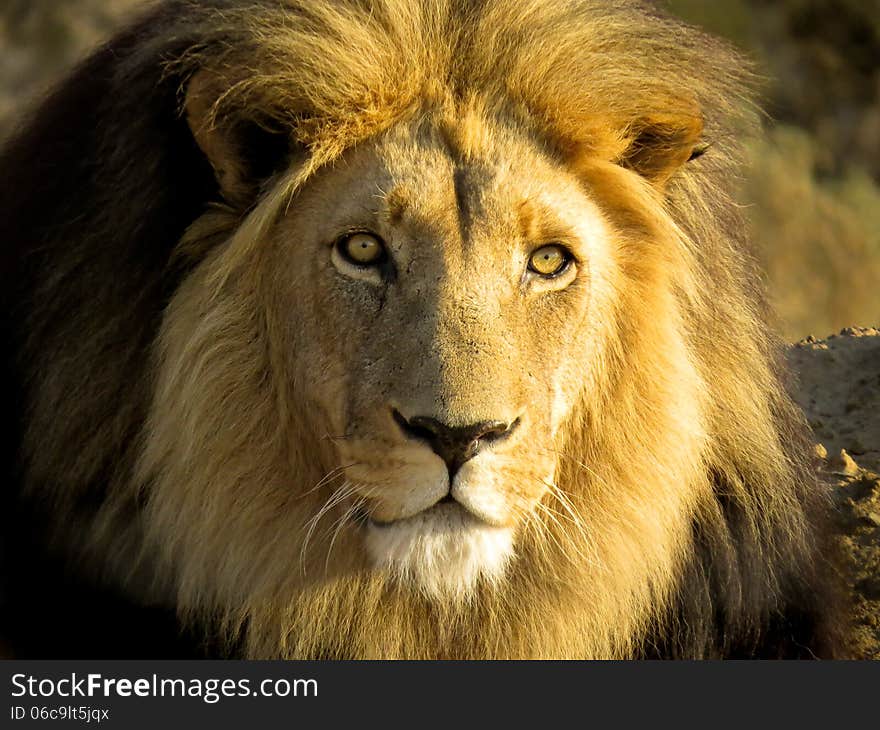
106 179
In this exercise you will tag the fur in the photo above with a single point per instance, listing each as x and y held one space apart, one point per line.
165 446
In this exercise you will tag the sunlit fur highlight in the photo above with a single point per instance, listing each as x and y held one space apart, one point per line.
683 402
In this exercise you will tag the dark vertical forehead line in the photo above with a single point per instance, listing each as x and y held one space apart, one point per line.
465 141
463 188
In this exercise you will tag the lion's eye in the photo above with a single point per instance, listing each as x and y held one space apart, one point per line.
549 260
362 249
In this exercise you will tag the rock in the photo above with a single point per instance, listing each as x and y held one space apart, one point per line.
839 390
843 464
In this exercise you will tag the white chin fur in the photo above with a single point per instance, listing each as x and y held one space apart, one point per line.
442 551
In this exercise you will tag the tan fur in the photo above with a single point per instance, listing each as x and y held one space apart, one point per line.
658 377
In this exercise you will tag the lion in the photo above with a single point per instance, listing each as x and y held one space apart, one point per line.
400 329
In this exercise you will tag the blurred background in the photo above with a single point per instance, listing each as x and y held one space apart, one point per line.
813 189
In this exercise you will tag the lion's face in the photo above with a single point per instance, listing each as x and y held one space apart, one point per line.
444 309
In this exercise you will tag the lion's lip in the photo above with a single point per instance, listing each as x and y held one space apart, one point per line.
438 505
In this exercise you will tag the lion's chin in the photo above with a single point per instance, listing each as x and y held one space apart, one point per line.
444 551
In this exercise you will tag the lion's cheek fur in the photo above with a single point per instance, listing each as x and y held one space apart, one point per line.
226 451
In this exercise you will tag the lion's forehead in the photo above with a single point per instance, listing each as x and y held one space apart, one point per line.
460 214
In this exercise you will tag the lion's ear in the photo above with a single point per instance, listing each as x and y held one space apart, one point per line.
243 149
659 145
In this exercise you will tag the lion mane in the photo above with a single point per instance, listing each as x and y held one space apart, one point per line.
156 464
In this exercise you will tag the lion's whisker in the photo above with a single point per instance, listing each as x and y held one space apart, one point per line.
344 519
580 464
570 542
334 473
535 511
331 437
346 490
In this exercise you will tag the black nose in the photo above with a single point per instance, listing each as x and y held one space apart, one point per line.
455 444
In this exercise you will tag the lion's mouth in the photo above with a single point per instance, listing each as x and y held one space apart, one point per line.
440 508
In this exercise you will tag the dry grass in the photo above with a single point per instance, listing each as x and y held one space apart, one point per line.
818 239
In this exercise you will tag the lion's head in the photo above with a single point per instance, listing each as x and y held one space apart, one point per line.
435 305
445 370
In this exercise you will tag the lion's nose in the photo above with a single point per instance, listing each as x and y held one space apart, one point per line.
455 444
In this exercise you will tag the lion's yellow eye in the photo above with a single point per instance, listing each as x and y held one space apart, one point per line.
363 249
549 260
